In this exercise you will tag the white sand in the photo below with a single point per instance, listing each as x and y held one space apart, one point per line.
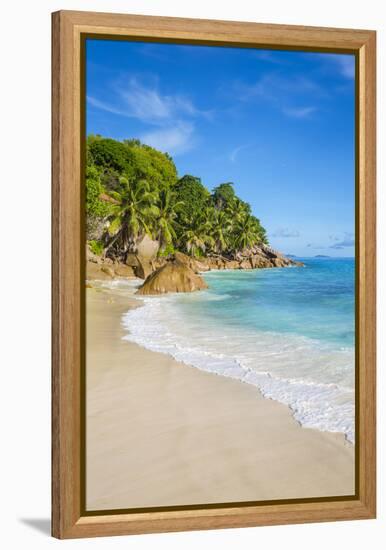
160 433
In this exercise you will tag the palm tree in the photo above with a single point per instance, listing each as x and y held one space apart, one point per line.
246 232
132 216
220 227
194 244
196 236
166 219
238 208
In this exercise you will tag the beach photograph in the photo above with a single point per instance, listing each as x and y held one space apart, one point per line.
220 275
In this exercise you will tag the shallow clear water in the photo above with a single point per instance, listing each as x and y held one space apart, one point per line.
288 331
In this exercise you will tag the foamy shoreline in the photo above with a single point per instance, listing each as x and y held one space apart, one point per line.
162 433
314 405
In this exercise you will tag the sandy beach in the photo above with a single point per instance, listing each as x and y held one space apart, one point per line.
161 433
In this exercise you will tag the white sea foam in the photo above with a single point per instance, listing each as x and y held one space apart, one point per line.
124 284
315 380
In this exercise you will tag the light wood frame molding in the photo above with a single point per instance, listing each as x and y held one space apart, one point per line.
69 520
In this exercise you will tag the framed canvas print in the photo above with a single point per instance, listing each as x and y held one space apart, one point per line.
213 274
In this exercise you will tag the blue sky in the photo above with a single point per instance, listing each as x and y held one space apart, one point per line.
278 124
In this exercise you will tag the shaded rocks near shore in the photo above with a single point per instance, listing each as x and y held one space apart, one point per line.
182 273
258 257
179 272
143 261
105 271
101 269
174 276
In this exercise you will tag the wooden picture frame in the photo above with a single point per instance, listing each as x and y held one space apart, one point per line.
69 519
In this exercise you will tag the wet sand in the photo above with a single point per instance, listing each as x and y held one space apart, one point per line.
161 433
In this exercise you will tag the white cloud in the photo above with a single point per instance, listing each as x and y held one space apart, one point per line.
283 92
286 233
147 104
275 87
172 115
175 140
270 57
234 153
299 112
346 65
346 241
103 106
340 241
316 246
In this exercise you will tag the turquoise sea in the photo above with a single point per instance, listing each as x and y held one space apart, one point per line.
288 331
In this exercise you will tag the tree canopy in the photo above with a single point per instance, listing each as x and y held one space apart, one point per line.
223 194
132 189
193 194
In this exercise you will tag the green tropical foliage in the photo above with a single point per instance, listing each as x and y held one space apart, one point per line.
168 208
132 190
95 207
96 247
133 214
193 194
223 195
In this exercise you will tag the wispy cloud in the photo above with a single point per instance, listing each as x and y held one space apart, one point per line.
273 86
286 233
346 65
175 139
333 237
299 112
346 241
315 246
148 104
173 115
153 51
284 93
340 241
104 106
270 57
234 153
332 64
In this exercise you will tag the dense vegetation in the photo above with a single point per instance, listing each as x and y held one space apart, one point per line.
133 189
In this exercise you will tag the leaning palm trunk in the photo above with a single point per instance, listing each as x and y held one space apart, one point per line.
123 240
111 243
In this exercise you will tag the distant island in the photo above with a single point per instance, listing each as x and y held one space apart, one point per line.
321 256
141 216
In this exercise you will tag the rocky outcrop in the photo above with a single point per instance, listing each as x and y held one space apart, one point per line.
232 264
174 276
106 270
144 258
91 257
194 264
201 266
122 270
158 262
245 264
144 269
147 248
180 272
94 271
131 260
260 256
